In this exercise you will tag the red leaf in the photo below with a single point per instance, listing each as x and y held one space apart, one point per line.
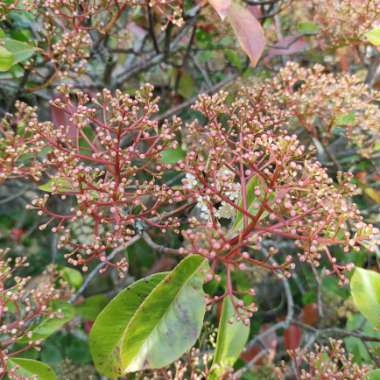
87 326
287 46
221 6
310 314
17 234
292 337
268 342
255 10
136 30
248 31
59 117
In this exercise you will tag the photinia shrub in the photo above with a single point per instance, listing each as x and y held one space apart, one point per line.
175 228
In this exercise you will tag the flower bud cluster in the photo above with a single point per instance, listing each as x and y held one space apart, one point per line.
331 362
344 22
18 146
106 164
326 104
22 303
283 193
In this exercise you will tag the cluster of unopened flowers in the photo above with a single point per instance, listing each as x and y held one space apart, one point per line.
330 361
22 303
343 22
244 178
326 105
70 31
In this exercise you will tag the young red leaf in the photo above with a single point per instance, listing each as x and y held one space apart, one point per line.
248 31
221 7
287 46
310 314
292 337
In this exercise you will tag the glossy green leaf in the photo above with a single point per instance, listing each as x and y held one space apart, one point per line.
373 36
28 368
365 290
6 59
49 326
107 333
72 276
231 340
91 307
152 322
21 51
374 374
172 156
169 321
57 185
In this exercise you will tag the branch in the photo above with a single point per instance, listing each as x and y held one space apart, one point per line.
280 325
159 248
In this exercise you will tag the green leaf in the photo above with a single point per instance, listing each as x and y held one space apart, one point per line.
107 333
49 326
365 290
72 276
357 349
251 204
21 50
186 85
57 185
234 58
232 337
172 156
6 59
346 119
373 36
91 307
308 27
152 322
354 345
374 374
29 368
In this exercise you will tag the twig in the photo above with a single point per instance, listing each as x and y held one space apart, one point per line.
187 103
159 248
280 325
